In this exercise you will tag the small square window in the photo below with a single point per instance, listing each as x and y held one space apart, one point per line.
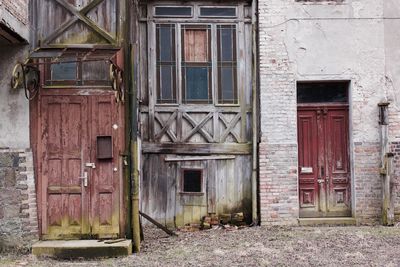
192 181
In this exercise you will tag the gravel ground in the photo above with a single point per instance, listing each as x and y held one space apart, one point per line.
256 246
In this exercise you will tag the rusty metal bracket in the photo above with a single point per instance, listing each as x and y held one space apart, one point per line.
117 82
28 77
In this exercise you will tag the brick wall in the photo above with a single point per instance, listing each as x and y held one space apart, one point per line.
17 8
18 209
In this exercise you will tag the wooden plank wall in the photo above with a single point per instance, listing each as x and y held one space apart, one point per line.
226 188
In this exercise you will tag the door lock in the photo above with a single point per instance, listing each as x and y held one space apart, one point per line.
84 178
90 165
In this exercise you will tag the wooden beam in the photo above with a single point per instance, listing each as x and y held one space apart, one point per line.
187 148
198 158
166 127
229 127
159 225
80 15
198 127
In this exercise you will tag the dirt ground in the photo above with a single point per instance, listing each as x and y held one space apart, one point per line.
255 246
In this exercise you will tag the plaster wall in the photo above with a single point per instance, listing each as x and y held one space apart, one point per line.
320 40
14 107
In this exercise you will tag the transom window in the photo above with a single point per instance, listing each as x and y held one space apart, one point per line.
206 53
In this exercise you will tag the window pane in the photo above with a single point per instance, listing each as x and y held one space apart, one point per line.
166 79
166 42
94 71
63 71
227 84
227 70
319 92
218 12
173 11
166 63
196 83
227 44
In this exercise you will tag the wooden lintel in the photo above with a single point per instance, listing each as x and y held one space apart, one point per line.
198 158
187 148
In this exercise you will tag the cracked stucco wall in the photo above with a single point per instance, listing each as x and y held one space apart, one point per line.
324 40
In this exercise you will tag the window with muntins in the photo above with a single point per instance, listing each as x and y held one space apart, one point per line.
196 62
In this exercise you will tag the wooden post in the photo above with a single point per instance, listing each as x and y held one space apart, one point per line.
386 165
255 119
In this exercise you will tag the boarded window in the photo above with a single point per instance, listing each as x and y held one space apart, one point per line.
192 180
196 64
322 92
166 63
227 64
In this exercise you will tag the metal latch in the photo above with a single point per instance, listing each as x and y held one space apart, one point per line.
90 165
320 181
84 178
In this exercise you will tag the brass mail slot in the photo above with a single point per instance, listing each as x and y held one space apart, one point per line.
104 147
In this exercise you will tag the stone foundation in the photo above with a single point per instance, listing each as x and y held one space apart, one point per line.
18 208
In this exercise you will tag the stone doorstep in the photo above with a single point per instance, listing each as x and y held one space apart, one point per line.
327 221
68 249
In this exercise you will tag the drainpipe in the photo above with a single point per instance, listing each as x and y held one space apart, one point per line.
134 156
131 81
254 176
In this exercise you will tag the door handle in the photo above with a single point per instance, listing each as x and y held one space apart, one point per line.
320 181
85 179
90 165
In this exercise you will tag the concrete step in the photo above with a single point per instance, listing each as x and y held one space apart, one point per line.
327 221
67 249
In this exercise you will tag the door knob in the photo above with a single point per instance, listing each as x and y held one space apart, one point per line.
84 179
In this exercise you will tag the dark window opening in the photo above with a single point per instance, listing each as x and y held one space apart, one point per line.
173 11
192 180
218 12
227 65
166 63
322 92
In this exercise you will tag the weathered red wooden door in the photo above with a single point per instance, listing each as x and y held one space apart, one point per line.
80 139
324 174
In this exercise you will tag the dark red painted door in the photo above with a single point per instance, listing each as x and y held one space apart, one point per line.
80 186
324 175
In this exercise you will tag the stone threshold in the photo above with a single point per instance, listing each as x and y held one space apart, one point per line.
69 249
327 221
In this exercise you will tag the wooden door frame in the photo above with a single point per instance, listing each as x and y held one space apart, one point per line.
331 106
35 118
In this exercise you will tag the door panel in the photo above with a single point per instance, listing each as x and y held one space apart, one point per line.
338 163
324 177
308 170
63 148
106 175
